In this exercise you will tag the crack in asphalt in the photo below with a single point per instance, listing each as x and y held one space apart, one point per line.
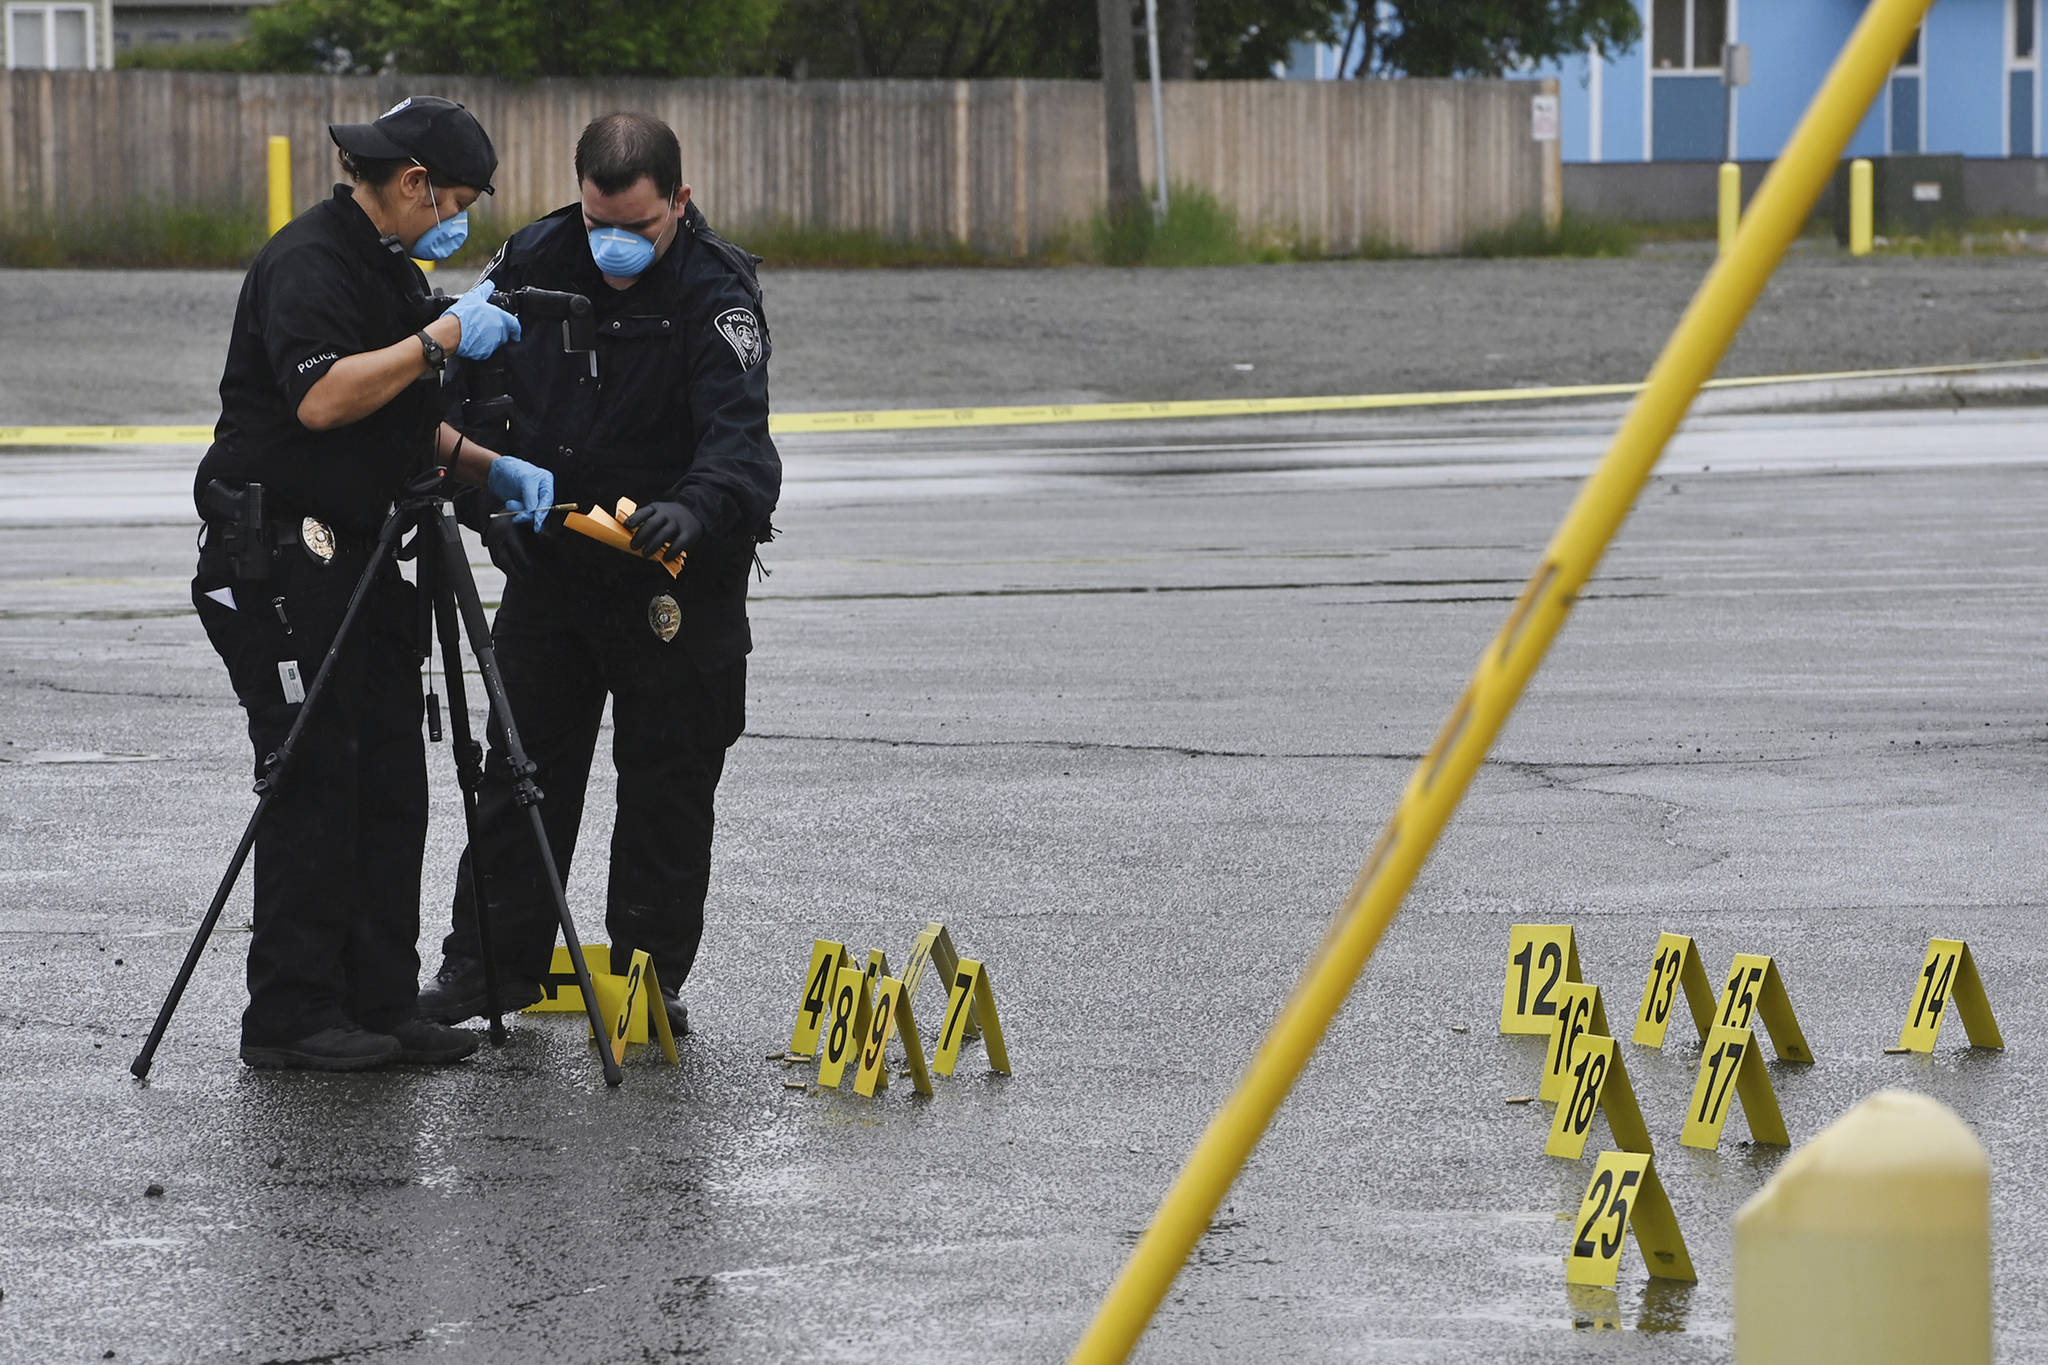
1163 589
1544 772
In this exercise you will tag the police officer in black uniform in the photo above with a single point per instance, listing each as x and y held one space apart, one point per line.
674 418
328 409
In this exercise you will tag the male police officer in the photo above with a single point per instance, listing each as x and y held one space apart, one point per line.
675 418
324 419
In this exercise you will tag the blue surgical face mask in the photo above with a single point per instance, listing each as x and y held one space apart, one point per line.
619 253
445 237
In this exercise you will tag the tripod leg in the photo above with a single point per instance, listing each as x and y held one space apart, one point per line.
458 582
468 770
267 785
139 1068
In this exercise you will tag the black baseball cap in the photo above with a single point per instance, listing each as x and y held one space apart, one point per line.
439 134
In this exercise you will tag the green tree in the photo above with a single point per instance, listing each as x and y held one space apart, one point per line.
516 38
966 39
1480 37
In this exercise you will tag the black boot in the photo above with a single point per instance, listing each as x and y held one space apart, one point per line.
331 1049
422 1042
458 992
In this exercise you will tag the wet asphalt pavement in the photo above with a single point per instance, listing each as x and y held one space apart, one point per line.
1125 708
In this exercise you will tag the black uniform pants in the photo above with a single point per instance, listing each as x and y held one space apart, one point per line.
564 644
337 884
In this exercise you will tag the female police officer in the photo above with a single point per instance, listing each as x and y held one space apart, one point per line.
323 408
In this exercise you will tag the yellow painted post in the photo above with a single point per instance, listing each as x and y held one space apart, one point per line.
1872 1243
1860 195
1731 204
1438 783
280 182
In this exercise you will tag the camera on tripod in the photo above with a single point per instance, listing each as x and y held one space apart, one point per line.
488 409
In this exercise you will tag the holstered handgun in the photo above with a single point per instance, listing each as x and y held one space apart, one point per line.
243 522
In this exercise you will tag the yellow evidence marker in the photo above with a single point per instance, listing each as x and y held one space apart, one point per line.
1599 1081
1626 1193
1754 987
851 1010
1579 1012
934 948
971 991
1541 957
633 1003
559 991
1949 973
892 1015
1729 1063
1676 967
827 958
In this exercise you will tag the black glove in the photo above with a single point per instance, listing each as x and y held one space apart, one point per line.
510 546
658 524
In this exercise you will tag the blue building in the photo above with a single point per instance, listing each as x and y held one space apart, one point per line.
1970 83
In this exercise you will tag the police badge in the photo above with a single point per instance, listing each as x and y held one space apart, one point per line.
318 538
664 617
742 331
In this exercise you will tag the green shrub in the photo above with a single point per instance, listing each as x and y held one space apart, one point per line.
192 57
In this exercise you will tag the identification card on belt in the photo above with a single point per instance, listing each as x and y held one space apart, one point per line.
288 677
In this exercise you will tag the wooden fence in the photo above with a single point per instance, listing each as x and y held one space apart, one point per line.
1000 165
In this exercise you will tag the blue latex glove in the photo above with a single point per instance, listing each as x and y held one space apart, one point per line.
485 327
525 488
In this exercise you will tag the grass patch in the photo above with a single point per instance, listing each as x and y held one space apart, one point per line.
1992 235
1576 235
1198 230
140 234
789 244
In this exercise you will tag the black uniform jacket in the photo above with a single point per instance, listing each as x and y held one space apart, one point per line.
326 286
677 411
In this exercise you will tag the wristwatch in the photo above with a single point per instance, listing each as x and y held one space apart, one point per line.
437 354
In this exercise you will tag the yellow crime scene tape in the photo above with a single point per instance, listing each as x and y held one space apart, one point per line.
1048 414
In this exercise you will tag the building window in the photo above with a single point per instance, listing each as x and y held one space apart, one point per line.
1910 59
57 37
2023 30
1688 35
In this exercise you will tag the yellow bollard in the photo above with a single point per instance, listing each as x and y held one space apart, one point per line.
1731 204
1860 195
280 183
1872 1243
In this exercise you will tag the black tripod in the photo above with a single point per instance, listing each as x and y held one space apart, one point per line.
449 593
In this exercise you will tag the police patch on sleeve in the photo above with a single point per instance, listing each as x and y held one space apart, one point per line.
742 330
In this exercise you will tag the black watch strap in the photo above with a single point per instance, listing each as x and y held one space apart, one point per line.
437 354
